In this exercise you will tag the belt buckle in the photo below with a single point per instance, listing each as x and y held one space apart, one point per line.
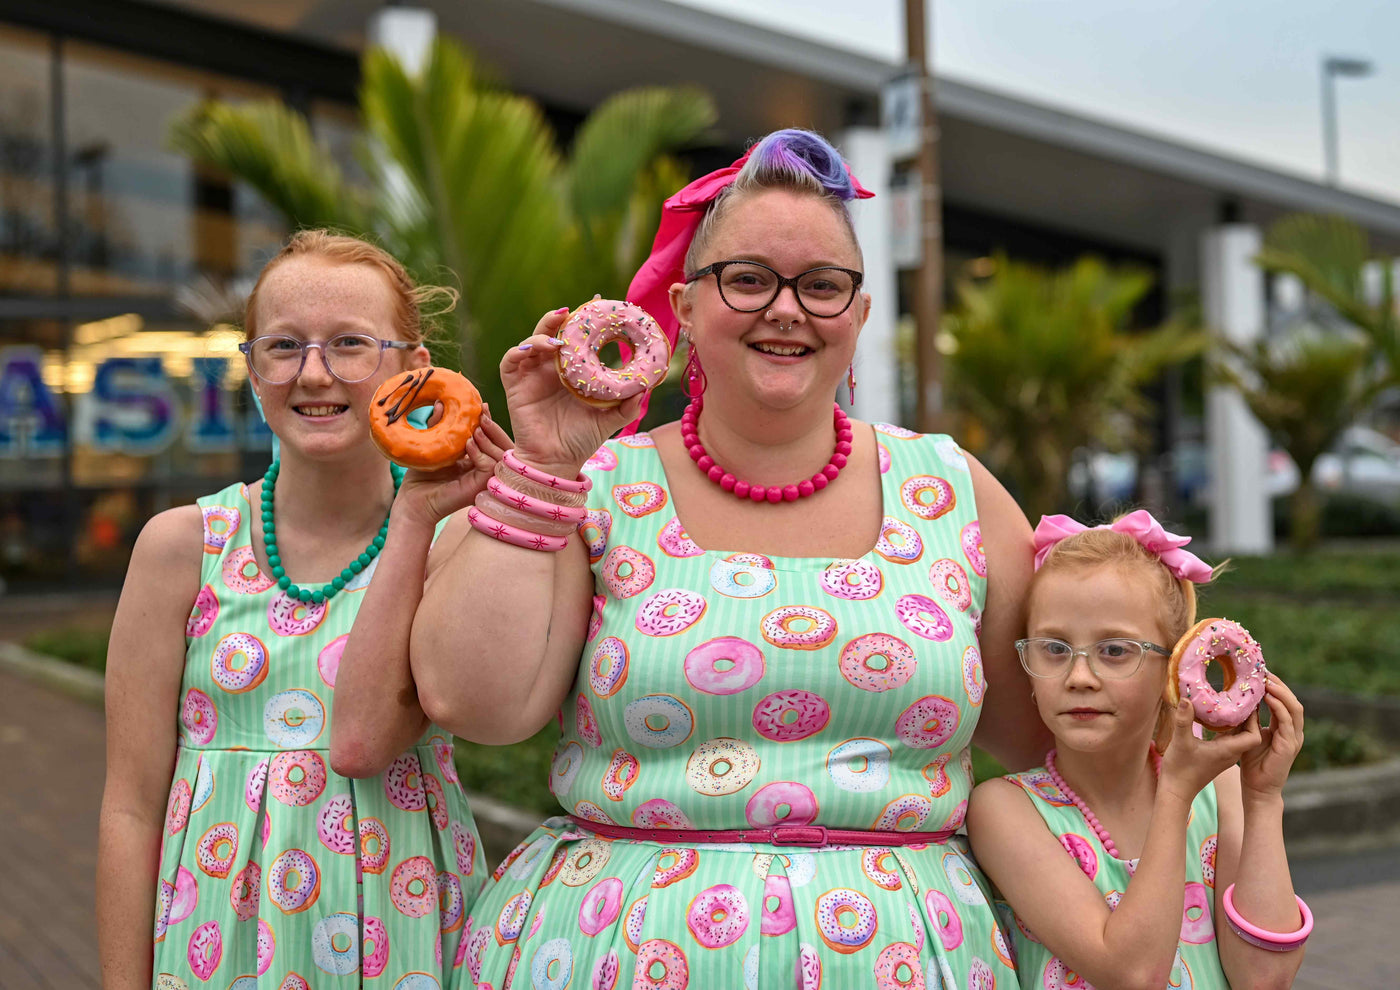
797 835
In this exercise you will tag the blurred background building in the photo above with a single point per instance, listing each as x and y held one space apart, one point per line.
117 254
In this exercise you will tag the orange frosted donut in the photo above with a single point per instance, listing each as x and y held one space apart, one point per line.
1242 665
592 327
439 445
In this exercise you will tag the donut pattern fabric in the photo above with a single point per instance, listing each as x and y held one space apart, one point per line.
725 689
275 871
1197 965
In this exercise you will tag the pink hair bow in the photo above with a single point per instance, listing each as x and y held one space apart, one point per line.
1138 524
681 215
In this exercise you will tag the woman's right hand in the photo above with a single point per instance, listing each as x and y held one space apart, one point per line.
554 430
1192 762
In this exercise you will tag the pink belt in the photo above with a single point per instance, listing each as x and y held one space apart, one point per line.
779 835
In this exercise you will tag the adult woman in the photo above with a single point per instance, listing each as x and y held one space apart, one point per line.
248 859
757 670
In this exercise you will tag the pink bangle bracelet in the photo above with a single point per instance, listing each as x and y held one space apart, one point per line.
497 511
1262 937
510 534
536 507
518 482
581 484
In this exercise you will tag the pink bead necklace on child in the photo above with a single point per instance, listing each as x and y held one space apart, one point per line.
1084 808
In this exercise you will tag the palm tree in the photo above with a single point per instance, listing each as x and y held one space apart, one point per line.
466 183
1043 364
1308 384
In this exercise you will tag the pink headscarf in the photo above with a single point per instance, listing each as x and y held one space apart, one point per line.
681 216
1140 525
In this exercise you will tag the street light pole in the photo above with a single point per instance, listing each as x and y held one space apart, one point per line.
928 287
1333 66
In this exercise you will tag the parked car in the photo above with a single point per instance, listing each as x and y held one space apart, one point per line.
1363 463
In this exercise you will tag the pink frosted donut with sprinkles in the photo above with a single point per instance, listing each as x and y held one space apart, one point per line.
1208 848
927 497
877 662
243 893
601 906
605 971
594 531
592 327
928 723
674 865
451 904
627 572
973 680
674 541
220 523
607 668
253 787
639 499
666 613
289 616
944 915
718 916
239 663
883 453
297 777
437 801
601 459
186 896
1197 928
898 432
972 548
267 945
674 972
165 894
242 575
177 809
205 950
205 611
632 925
896 967
852 580
328 660
845 919
294 881
936 773
403 783
724 665
376 948
199 717
511 921
923 616
950 583
875 864
217 848
464 848
1228 644
621 774
898 543
1082 853
586 722
413 887
784 802
787 716
906 813
374 845
660 813
799 627
335 825
595 620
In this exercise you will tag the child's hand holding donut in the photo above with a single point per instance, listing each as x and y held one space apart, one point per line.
429 496
553 430
1264 768
1192 762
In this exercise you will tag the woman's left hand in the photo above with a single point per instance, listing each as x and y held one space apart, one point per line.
440 493
1264 768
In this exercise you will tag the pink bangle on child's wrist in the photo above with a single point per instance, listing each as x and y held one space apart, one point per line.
580 484
536 507
498 530
1262 937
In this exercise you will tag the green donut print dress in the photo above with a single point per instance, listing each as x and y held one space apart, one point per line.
275 871
720 689
1197 964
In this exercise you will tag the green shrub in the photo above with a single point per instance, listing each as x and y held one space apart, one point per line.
517 775
1332 744
83 646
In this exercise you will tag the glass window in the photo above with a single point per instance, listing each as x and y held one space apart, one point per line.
28 244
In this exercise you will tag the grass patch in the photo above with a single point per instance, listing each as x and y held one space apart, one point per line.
1332 744
84 646
1358 575
517 775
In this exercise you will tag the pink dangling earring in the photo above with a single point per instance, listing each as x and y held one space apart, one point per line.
695 382
851 381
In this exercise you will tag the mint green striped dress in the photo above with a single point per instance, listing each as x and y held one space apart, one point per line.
1197 965
724 689
275 871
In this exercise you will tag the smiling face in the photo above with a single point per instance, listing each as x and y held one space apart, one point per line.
1082 605
792 356
314 299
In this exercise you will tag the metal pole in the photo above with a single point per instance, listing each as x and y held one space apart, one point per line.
928 285
1329 122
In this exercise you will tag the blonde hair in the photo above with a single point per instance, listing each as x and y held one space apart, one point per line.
1175 597
411 302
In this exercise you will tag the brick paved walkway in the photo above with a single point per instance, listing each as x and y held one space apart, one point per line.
51 754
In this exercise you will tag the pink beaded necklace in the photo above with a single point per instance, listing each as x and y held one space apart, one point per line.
690 436
1084 809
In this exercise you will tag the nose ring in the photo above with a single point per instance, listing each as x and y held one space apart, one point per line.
782 327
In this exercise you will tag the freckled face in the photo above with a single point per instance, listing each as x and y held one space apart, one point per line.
791 233
1082 605
313 299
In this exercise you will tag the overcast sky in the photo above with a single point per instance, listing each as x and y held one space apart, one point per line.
1240 77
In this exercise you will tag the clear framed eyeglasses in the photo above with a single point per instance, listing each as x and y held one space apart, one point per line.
1108 658
748 287
350 357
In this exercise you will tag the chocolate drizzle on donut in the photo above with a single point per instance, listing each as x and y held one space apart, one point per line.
405 402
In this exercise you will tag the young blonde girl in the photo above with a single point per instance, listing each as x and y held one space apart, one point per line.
1118 855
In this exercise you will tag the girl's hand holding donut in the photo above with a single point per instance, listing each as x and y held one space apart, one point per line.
428 496
554 431
1191 762
1264 768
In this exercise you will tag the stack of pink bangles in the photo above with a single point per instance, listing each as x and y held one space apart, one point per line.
1262 937
529 508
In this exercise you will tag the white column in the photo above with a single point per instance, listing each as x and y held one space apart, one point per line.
1233 298
407 32
876 364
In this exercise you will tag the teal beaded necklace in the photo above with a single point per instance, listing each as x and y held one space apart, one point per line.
274 559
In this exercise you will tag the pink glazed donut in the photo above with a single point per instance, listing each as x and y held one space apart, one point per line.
335 826
718 916
785 802
724 665
845 919
944 916
1197 926
627 572
927 497
674 541
199 717
924 617
403 783
666 613
376 948
205 611
594 531
293 881
601 906
374 845
779 916
607 668
898 542
799 627
786 716
242 575
220 523
413 887
244 893
297 777
949 582
906 813
675 971
1229 644
972 548
217 848
239 663
673 865
852 580
289 616
621 774
592 327
639 499
877 662
897 968
205 950
267 945
928 723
